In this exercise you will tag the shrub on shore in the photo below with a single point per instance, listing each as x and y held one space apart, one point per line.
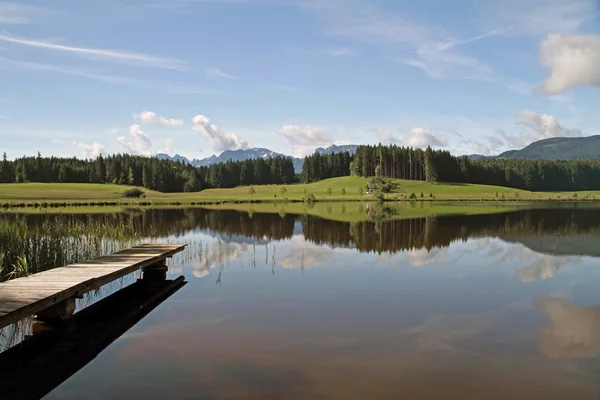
133 193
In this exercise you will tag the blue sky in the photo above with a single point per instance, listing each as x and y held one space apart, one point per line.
197 77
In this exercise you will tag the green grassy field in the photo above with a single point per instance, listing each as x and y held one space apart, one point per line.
19 193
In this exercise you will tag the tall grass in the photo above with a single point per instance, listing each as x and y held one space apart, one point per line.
26 249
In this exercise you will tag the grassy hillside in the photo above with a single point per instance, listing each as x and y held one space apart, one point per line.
77 192
563 148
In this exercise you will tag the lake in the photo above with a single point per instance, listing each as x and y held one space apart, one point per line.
494 305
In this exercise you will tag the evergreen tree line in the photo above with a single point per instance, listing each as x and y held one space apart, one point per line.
149 172
438 165
321 166
276 170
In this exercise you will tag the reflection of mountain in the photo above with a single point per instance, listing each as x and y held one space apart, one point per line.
561 245
544 268
572 332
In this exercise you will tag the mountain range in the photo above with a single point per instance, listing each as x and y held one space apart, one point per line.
254 153
563 148
559 148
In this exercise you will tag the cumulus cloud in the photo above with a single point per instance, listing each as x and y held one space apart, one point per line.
89 150
571 61
141 143
304 138
538 127
417 137
544 126
150 117
219 140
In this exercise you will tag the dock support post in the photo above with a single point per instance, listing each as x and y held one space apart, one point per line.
59 312
156 272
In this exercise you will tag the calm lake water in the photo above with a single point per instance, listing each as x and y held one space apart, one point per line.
498 306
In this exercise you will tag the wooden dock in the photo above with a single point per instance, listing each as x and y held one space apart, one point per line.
56 290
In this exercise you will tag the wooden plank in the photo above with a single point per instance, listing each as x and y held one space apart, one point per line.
22 297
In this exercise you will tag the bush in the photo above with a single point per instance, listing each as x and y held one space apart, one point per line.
310 198
378 194
376 179
412 196
133 193
388 187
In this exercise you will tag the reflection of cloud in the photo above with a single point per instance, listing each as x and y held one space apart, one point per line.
544 268
217 255
304 254
421 257
573 331
446 332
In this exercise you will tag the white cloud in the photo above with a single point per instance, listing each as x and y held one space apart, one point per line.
89 150
219 140
102 54
150 117
304 135
571 61
111 131
538 127
426 46
417 137
165 86
141 144
544 126
215 73
304 138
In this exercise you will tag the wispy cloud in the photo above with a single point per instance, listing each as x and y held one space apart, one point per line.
411 42
17 14
215 73
167 87
538 17
102 54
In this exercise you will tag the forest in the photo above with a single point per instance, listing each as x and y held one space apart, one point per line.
149 172
440 166
390 161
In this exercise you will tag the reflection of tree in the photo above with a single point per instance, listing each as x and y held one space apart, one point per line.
572 332
383 234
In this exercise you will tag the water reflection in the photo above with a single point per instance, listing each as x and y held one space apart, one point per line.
296 306
572 331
